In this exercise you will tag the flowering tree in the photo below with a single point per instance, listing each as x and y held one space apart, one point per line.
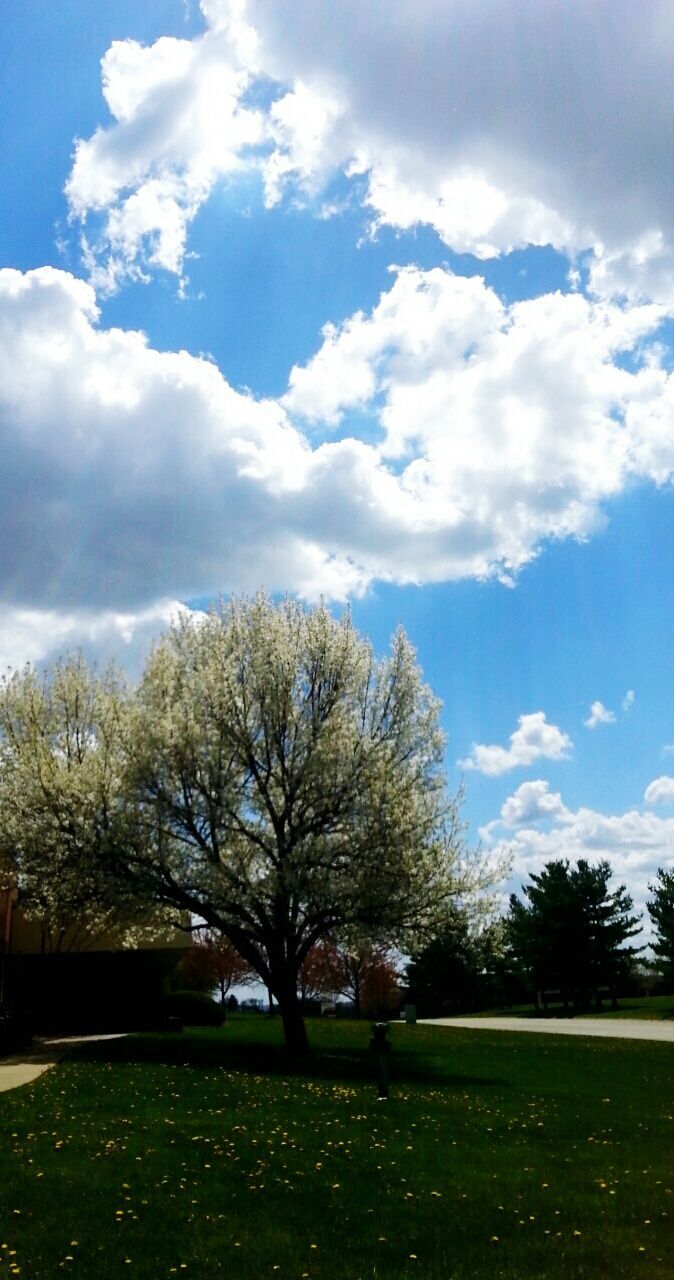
61 770
318 972
213 962
291 784
269 776
363 972
370 978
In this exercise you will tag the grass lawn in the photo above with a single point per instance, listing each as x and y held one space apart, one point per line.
652 1008
202 1155
655 1008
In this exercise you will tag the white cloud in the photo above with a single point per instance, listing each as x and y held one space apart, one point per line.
532 802
628 700
599 714
533 739
132 476
39 635
438 116
505 417
660 790
635 843
180 125
303 127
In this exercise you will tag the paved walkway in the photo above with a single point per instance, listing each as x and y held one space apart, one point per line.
613 1028
25 1067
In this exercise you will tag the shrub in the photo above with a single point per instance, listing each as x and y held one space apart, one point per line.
194 1008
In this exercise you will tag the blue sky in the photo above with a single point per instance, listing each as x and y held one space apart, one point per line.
481 446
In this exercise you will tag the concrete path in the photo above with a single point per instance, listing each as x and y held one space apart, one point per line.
25 1067
613 1028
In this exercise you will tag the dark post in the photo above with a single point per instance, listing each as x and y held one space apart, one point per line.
381 1048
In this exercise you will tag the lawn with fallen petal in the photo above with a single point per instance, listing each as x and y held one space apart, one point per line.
208 1154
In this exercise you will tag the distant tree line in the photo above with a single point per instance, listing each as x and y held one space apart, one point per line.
273 780
567 940
366 975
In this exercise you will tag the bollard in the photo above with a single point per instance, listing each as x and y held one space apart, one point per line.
381 1048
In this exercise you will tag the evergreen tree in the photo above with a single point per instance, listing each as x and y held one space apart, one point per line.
661 911
570 933
455 970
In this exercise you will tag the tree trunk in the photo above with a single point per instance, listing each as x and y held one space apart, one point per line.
294 1030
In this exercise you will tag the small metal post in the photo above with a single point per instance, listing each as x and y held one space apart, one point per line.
381 1048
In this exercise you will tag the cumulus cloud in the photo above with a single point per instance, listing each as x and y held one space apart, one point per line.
132 476
533 739
636 843
599 714
532 802
519 414
41 635
628 700
660 790
180 124
438 117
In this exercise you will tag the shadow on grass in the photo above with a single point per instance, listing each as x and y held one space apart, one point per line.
354 1065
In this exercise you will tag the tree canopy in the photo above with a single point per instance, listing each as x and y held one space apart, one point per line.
212 962
365 973
455 969
269 777
61 784
289 784
661 911
571 934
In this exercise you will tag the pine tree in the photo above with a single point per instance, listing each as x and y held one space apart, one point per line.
661 911
570 934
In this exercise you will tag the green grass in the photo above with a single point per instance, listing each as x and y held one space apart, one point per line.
651 1008
654 1008
205 1156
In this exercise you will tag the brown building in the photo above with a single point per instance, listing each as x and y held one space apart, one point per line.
82 982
